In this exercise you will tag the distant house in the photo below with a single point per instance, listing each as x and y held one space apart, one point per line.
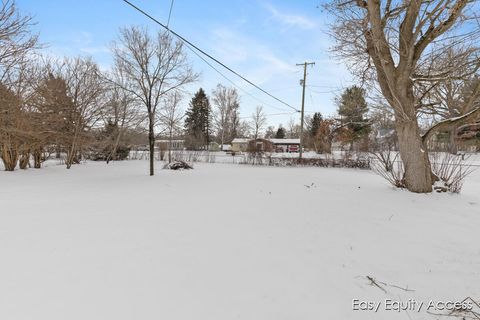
240 144
468 137
286 145
265 145
226 147
177 144
261 145
469 131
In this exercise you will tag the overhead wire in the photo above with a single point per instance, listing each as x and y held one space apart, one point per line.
272 115
193 46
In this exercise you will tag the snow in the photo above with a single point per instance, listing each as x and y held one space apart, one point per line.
226 241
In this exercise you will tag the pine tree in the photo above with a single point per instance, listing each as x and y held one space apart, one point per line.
281 133
315 123
353 107
198 121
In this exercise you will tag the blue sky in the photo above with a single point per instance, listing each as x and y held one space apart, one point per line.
263 40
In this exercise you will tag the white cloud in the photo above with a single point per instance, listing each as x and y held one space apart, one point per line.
256 59
293 20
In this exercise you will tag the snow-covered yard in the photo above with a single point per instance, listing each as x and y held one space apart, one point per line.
107 242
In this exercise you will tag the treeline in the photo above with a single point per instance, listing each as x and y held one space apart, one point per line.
71 108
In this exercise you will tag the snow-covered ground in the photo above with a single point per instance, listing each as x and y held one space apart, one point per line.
108 242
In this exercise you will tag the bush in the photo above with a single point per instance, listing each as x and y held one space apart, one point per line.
387 165
451 170
121 153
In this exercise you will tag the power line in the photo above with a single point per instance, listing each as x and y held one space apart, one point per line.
229 80
319 86
320 92
273 114
283 89
311 97
208 55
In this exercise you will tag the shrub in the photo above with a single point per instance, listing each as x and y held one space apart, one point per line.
451 171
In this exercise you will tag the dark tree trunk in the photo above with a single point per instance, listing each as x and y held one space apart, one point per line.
24 160
151 142
37 158
9 158
170 146
452 147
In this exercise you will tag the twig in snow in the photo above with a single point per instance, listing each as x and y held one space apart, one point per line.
377 283
404 289
374 283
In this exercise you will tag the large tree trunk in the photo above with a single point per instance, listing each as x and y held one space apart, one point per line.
151 142
37 158
170 135
58 152
418 174
70 156
453 148
9 157
24 160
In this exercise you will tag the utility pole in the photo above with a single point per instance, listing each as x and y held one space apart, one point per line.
303 83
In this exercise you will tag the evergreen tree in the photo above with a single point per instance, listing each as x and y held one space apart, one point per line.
353 107
197 121
315 123
281 133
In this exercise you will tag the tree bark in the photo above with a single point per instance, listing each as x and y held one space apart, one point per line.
170 134
37 158
24 160
418 174
453 148
9 158
70 156
151 142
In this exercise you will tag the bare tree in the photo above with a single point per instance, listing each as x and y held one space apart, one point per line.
171 116
293 128
85 97
446 98
11 127
390 42
244 129
151 67
270 132
16 42
227 103
16 38
48 97
259 120
121 114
